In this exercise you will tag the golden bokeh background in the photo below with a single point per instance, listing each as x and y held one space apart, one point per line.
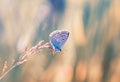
91 54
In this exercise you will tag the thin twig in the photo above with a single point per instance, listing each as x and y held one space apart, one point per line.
8 71
23 58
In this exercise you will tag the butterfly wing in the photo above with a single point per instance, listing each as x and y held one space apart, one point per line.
58 39
54 42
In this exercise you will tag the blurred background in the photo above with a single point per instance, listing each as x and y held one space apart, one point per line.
91 54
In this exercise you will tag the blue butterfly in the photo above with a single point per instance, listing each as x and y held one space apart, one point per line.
58 39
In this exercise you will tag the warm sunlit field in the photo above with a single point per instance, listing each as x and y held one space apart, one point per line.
91 53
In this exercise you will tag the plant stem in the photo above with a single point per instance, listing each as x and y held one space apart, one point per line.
8 71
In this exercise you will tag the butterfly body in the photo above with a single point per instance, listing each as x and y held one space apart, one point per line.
58 39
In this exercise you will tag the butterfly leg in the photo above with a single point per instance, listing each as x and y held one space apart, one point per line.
52 50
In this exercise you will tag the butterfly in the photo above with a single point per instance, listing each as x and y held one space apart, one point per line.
57 39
